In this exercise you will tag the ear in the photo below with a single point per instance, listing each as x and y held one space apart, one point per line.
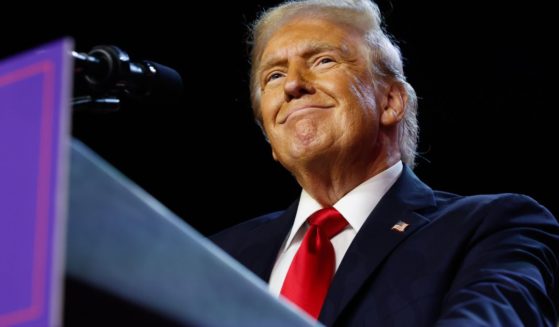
274 155
394 106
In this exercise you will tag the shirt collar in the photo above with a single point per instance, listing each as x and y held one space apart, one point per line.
355 206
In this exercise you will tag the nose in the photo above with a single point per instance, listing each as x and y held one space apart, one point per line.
298 82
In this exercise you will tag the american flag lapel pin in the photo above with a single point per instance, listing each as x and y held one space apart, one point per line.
400 226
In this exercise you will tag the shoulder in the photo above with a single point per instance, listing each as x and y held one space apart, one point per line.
457 209
236 233
489 205
478 217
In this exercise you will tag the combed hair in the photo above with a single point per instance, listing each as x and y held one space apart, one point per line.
364 16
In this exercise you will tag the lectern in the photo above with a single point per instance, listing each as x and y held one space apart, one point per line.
65 211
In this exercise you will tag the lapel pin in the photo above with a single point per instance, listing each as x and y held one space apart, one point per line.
400 226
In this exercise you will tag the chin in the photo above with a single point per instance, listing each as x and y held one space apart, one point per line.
303 154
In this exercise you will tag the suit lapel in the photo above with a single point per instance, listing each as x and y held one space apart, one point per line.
260 254
376 240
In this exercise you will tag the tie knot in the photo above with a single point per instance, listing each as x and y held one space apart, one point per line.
329 221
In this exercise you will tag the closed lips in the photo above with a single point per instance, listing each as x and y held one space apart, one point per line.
302 110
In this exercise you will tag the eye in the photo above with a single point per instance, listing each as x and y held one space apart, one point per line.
324 62
273 76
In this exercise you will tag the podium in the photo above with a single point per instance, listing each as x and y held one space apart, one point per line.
118 239
122 240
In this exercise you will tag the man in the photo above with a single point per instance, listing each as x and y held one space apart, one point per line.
367 243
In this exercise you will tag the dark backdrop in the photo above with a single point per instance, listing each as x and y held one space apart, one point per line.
485 76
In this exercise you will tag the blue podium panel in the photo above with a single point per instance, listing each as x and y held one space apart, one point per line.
124 242
34 115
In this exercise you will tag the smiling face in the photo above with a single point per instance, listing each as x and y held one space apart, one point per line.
318 101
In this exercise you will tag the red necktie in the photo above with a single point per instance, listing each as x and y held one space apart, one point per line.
312 269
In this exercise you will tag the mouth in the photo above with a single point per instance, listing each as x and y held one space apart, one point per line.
302 111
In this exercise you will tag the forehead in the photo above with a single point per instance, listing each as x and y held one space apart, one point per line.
302 35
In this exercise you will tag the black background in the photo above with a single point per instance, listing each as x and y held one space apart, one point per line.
485 76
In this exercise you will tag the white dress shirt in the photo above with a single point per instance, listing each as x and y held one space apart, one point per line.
355 206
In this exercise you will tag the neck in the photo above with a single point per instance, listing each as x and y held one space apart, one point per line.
327 184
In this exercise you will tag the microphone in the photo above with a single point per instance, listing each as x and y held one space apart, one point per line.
108 69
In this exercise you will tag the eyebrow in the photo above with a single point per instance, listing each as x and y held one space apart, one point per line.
308 51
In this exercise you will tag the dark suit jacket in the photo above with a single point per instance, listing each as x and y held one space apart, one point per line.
488 260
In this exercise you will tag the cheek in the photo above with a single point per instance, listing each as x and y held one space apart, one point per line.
362 87
364 97
270 103
360 107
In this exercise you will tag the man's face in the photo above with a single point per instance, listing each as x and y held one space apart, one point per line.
317 96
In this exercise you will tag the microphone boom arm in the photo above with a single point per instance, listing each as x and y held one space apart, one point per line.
110 74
